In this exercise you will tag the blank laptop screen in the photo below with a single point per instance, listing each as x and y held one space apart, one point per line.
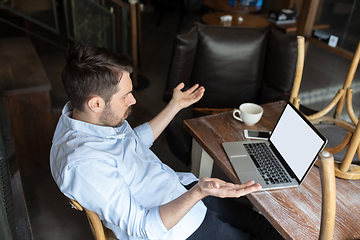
297 141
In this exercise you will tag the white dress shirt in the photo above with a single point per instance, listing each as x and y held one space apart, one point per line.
112 172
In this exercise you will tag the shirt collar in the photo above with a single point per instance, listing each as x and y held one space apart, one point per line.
92 129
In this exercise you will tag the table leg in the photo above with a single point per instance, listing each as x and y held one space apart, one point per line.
201 162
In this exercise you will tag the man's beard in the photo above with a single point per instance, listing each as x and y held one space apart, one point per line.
126 115
107 116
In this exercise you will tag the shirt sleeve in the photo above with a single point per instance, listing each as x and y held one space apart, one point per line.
105 192
145 134
186 178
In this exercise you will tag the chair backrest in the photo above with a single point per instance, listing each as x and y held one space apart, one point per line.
99 231
328 186
233 62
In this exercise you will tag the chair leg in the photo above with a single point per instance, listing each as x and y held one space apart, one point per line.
328 186
298 73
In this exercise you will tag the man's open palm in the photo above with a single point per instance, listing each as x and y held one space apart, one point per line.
188 97
222 189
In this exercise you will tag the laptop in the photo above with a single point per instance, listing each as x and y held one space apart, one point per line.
284 159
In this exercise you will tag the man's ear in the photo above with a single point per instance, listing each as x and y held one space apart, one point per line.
96 104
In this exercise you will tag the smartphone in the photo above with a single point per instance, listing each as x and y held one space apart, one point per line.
253 134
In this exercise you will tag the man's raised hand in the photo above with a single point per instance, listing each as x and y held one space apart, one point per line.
186 98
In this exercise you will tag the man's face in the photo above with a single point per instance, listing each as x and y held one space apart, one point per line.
119 106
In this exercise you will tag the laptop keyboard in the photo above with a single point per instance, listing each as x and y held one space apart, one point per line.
270 169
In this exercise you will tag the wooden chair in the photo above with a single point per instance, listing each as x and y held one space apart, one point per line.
328 186
99 231
344 169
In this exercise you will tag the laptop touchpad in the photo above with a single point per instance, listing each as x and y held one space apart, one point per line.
243 164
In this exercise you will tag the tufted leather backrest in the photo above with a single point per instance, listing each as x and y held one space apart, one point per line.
234 65
280 62
182 60
279 66
229 63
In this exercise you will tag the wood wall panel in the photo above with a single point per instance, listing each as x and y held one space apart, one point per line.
24 87
32 128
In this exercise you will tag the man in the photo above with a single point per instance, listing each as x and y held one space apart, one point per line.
100 161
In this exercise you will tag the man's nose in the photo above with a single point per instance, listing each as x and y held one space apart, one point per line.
132 100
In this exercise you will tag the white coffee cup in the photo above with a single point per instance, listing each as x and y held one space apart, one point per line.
250 113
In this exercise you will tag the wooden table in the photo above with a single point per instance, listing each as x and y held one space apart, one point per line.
249 20
224 6
294 212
